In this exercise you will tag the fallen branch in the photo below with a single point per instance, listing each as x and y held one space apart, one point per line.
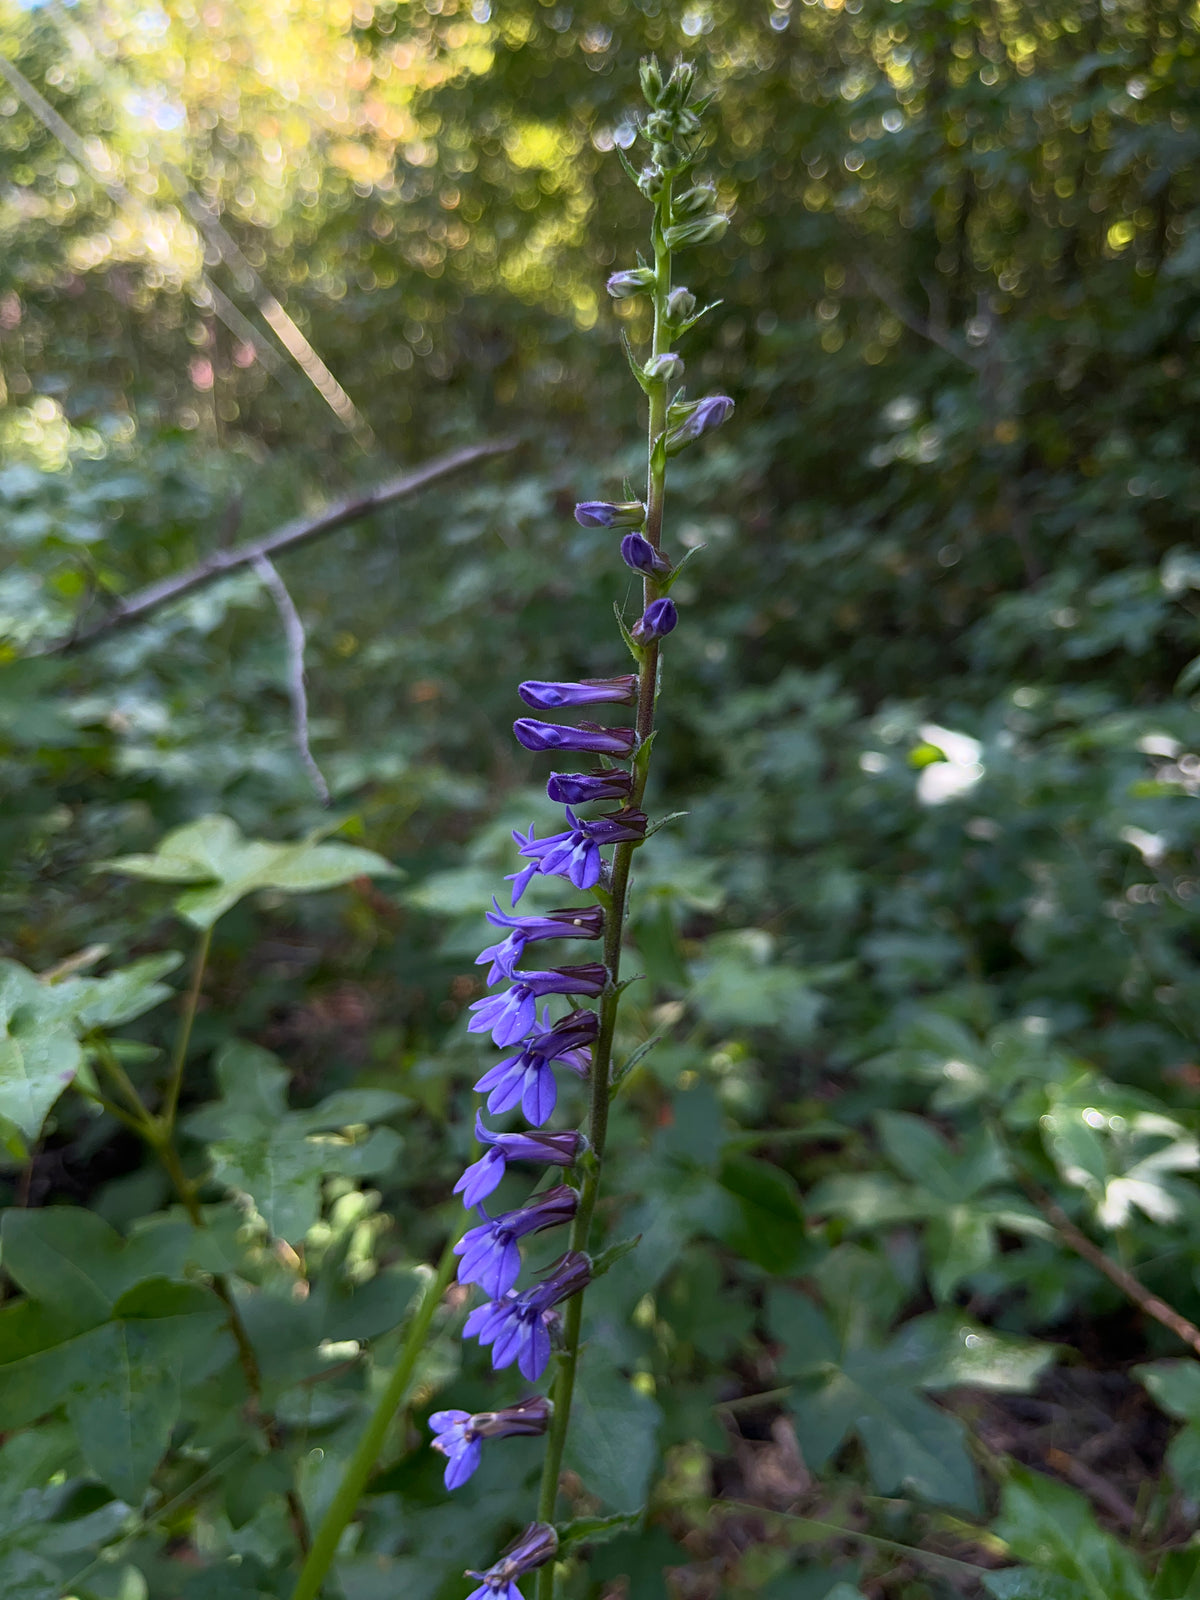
300 531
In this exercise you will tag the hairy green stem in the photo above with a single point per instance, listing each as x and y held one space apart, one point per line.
358 1469
564 1384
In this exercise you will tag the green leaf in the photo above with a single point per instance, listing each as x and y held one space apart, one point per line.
641 1559
769 1225
593 1530
613 1440
39 1053
124 1411
278 1157
1054 1529
214 853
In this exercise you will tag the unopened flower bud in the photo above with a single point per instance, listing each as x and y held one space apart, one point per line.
679 85
641 555
704 230
680 304
701 416
634 280
655 623
650 182
610 514
695 202
666 368
651 76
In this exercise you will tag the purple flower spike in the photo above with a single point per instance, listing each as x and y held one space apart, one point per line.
545 1149
578 788
529 1075
489 1252
542 736
518 1326
533 1548
459 1434
610 514
658 619
641 555
590 692
703 417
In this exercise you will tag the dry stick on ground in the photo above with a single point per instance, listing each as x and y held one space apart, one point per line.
293 630
1125 1281
139 605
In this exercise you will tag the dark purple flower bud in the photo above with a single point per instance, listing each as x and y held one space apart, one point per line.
510 1016
459 1433
518 1326
635 280
541 736
537 1545
681 303
666 368
641 555
529 1075
659 617
702 417
610 514
578 788
545 1149
620 691
489 1254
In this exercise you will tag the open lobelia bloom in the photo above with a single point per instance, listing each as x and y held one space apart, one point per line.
575 854
489 1252
529 1075
589 736
544 696
537 1545
460 1435
581 922
544 1149
517 1326
509 1016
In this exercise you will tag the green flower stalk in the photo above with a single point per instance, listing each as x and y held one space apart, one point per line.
522 1328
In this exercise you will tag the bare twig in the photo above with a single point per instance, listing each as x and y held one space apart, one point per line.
139 605
293 630
1151 1304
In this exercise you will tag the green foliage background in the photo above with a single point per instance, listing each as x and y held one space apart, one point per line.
922 950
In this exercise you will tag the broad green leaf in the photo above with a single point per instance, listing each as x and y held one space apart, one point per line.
39 1053
1054 1529
214 853
613 1440
124 1410
279 1157
67 1258
641 1559
976 1357
1175 1386
769 1225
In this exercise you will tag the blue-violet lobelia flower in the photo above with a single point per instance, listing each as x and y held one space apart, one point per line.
610 513
537 1545
641 555
658 619
517 1326
581 922
489 1252
529 1075
589 692
509 1016
460 1435
579 788
545 1149
575 855
540 736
